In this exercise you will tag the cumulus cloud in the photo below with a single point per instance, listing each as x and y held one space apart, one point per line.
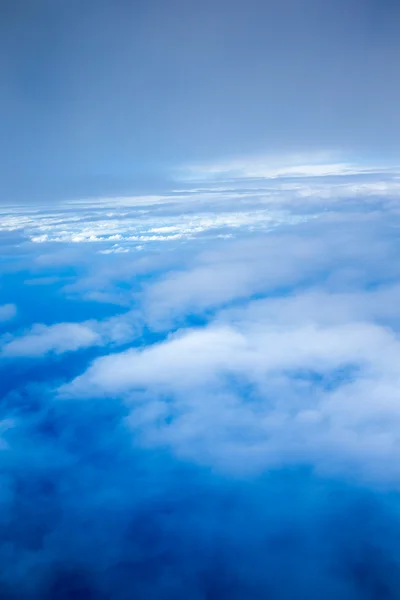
259 395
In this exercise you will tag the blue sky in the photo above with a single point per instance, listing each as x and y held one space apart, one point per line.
199 291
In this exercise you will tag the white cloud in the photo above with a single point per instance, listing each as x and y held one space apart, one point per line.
257 395
320 306
198 355
279 167
41 339
297 286
59 338
336 252
258 194
299 360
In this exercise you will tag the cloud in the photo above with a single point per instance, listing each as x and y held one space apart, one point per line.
289 326
126 229
236 416
102 516
259 395
7 312
181 467
259 194
232 429
331 251
59 338
42 339
284 167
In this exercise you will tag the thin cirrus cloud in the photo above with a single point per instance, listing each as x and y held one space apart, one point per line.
284 167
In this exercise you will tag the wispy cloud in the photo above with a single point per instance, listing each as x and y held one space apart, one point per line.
59 338
7 312
282 167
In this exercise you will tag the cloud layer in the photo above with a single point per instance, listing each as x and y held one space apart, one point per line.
210 416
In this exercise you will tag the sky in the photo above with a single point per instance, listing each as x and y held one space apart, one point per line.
199 291
109 96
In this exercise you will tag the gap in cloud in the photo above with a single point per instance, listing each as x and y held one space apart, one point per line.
50 305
